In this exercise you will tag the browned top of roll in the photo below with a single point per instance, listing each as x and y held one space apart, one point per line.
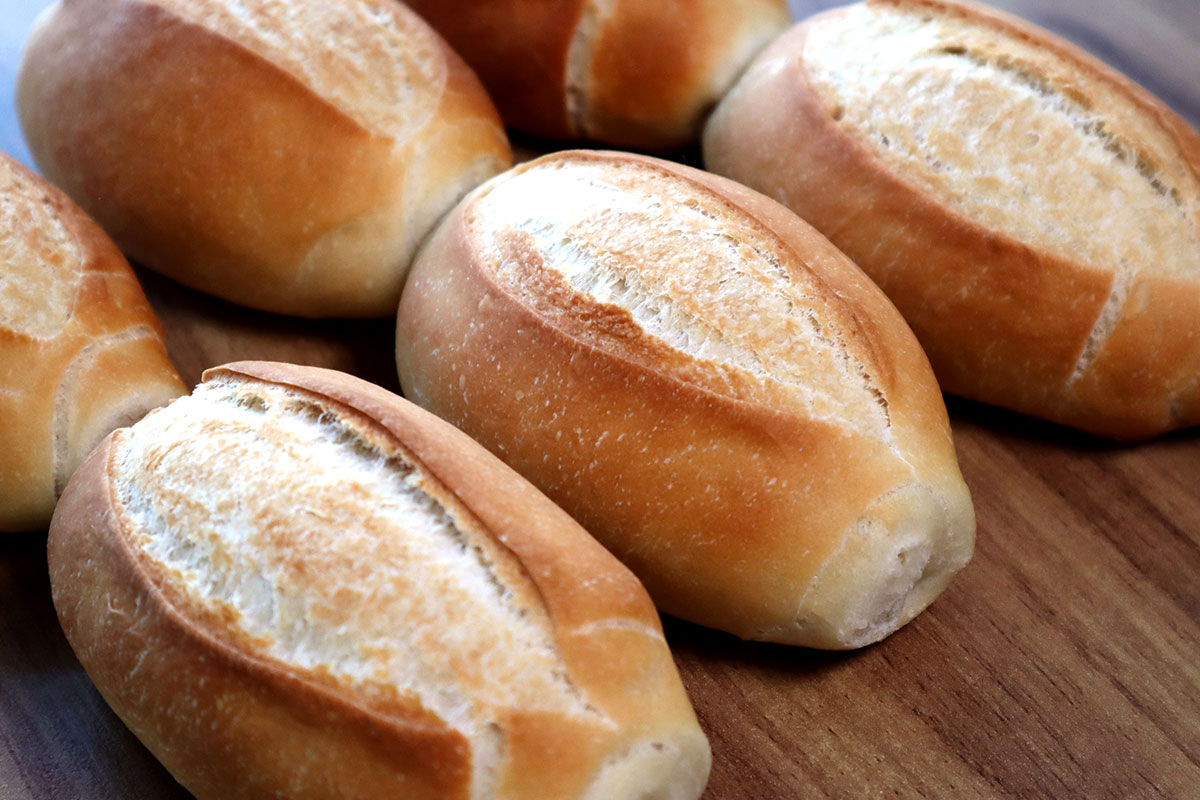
80 348
1033 213
42 260
289 156
369 60
635 73
969 104
340 549
702 380
668 273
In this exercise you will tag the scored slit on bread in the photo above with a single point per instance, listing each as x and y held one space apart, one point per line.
296 173
42 262
693 281
705 383
1034 214
81 352
368 60
332 552
295 583
1012 136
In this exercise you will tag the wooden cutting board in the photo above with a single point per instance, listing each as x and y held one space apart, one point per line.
1063 662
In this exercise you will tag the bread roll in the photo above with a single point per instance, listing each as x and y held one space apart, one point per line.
81 352
705 383
285 155
1033 214
295 584
635 73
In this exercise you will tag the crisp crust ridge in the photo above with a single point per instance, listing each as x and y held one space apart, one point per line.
79 344
605 276
346 455
1004 320
323 739
296 189
42 260
126 632
375 61
612 433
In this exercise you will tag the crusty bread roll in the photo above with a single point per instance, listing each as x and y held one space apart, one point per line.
1034 215
295 584
635 73
81 351
705 383
285 155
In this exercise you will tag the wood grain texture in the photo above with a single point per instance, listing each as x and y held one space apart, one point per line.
1063 662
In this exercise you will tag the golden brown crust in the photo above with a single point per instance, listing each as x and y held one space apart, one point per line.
519 50
626 72
105 366
255 726
239 178
1023 30
657 68
708 496
1002 320
522 519
197 703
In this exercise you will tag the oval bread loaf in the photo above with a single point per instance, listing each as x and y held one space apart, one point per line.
1033 214
295 584
81 352
284 155
705 383
635 73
